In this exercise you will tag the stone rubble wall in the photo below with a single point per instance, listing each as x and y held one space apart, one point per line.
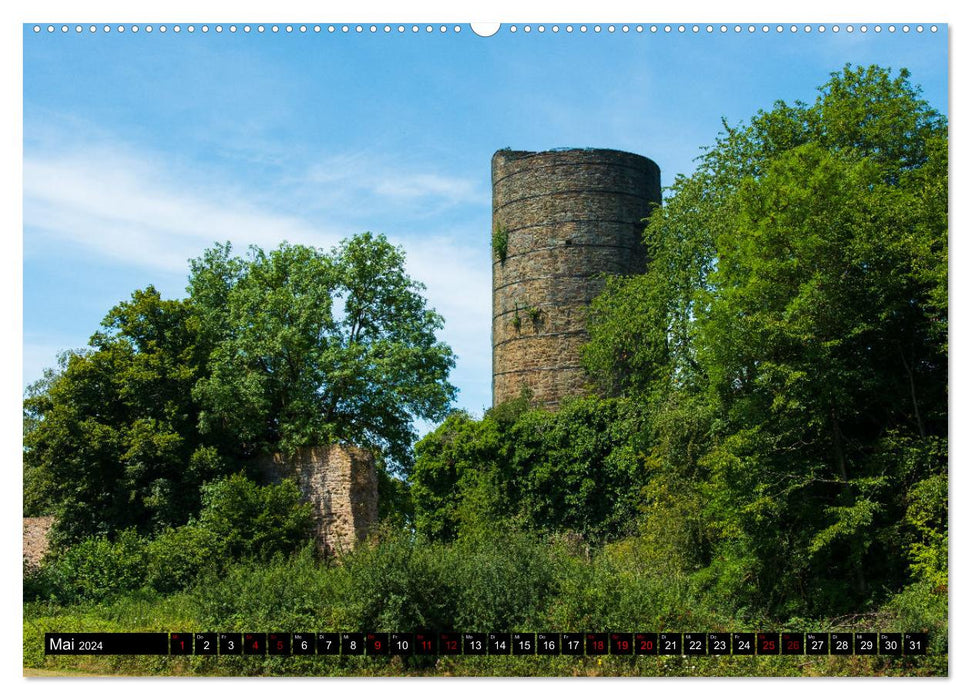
340 482
36 544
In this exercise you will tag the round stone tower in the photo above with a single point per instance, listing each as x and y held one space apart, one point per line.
560 220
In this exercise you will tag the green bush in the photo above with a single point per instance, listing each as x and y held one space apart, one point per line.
505 580
246 520
395 583
95 569
296 593
178 556
510 581
398 583
575 470
499 582
922 607
927 518
628 585
240 520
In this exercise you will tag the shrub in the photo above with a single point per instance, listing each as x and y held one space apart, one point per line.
503 581
922 607
246 520
95 569
576 470
626 585
499 581
927 516
239 520
287 593
178 556
398 583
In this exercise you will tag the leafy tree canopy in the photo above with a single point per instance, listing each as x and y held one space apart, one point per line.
111 438
797 298
311 348
269 351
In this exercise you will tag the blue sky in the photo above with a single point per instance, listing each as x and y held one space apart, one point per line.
141 150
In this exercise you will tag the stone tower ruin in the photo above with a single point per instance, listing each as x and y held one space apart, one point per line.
340 483
560 220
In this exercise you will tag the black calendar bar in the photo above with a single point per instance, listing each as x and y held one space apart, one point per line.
100 643
384 644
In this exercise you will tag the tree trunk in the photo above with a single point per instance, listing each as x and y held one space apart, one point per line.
847 497
913 391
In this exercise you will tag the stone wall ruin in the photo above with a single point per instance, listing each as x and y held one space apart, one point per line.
340 483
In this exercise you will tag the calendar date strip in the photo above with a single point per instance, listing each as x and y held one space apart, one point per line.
486 644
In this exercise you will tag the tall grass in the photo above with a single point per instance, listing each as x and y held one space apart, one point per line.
508 582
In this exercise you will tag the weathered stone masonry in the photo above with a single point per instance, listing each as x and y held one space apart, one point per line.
570 216
341 484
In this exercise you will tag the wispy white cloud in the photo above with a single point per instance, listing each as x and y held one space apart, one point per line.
426 185
124 207
129 208
386 183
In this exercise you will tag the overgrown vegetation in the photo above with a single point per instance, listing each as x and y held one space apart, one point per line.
789 345
239 521
514 582
575 471
768 451
268 352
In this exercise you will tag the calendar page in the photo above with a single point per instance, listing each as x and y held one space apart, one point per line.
512 349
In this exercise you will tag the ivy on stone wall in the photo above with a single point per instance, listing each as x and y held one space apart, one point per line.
500 242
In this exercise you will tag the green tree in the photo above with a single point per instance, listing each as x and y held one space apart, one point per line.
312 348
111 435
270 352
798 292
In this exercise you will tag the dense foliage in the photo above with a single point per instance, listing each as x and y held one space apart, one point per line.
769 449
311 348
112 438
267 352
573 471
239 521
517 583
790 341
